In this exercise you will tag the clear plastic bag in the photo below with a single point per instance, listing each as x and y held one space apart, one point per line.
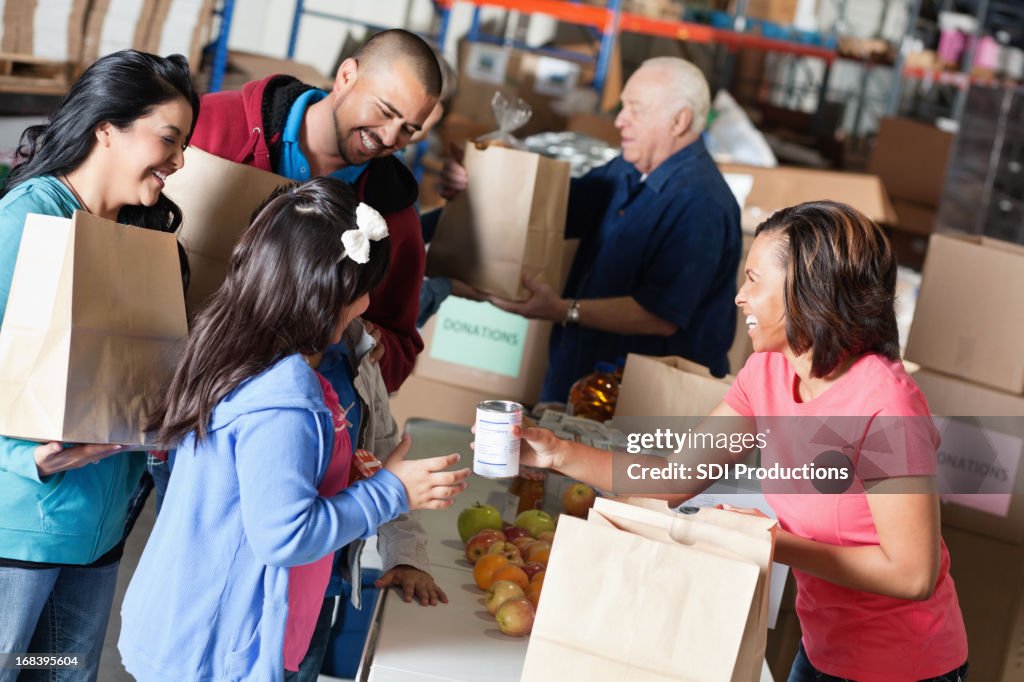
510 113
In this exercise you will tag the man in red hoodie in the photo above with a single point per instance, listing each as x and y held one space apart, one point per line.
380 98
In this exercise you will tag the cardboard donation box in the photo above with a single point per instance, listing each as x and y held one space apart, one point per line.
970 313
217 199
509 222
985 474
639 593
92 330
769 189
668 386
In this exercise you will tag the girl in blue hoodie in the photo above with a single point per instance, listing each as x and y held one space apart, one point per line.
253 440
106 150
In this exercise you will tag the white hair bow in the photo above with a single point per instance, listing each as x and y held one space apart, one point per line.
370 226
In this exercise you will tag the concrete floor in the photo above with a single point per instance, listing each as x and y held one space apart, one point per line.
111 669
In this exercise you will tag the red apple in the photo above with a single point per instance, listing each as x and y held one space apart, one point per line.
532 568
522 542
512 533
578 499
500 592
515 617
547 536
507 550
481 542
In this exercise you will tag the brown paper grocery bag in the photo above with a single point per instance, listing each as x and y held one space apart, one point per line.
660 386
91 335
217 199
509 222
652 596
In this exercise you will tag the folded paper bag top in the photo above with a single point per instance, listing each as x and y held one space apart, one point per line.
92 332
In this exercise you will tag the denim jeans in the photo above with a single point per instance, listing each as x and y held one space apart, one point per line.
56 611
803 671
160 470
309 669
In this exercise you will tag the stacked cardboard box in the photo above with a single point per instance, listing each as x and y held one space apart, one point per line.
777 11
965 334
911 158
159 26
46 43
534 76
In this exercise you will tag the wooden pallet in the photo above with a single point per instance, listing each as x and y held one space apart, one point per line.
29 74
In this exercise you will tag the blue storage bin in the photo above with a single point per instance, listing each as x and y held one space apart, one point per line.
348 636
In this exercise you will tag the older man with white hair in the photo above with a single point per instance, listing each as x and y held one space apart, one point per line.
660 240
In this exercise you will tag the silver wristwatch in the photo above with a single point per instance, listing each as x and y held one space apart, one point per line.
572 315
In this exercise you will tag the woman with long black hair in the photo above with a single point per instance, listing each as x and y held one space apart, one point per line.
107 150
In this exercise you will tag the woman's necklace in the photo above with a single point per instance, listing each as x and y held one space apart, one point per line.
78 196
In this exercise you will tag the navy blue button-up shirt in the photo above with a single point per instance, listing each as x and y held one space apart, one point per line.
672 242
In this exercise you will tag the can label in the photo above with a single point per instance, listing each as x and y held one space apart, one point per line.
496 453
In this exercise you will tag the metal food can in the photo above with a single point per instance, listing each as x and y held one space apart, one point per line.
496 454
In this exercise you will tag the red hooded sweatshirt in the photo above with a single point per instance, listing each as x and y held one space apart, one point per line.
245 126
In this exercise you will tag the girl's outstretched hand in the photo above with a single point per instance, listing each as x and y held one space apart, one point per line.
427 484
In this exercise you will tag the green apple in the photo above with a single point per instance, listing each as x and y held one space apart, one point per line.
479 517
535 522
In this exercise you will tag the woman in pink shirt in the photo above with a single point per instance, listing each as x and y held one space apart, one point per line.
875 598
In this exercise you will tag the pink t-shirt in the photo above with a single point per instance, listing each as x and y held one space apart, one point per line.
307 584
849 633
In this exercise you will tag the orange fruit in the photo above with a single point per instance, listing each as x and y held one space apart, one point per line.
483 571
540 555
513 573
534 598
538 579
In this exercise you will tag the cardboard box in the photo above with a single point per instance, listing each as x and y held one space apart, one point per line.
473 351
536 77
969 319
989 579
911 158
661 386
598 126
423 398
11 15
913 218
245 66
113 25
781 187
52 29
778 11
181 27
995 464
477 346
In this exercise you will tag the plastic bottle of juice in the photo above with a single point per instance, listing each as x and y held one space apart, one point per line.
594 396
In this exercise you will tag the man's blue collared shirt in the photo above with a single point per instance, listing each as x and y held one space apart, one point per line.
671 241
293 163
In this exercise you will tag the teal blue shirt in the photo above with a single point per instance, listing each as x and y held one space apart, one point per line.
75 516
293 164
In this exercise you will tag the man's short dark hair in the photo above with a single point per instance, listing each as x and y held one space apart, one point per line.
397 44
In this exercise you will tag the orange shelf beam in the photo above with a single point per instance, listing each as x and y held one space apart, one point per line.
586 15
601 17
